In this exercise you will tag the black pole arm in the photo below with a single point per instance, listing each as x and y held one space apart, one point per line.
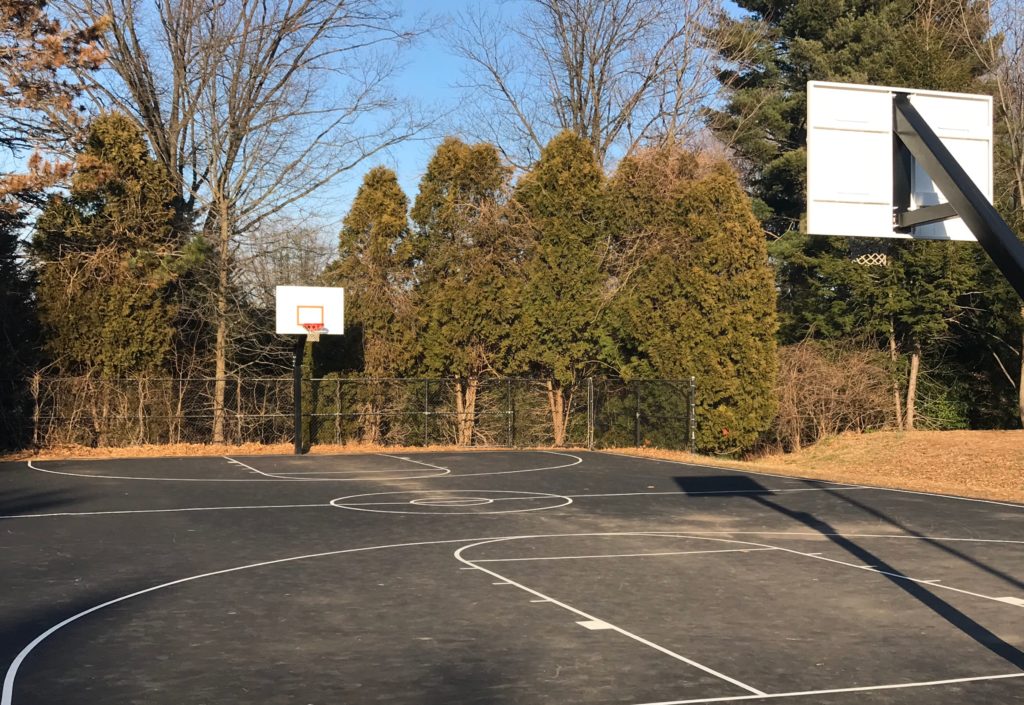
991 231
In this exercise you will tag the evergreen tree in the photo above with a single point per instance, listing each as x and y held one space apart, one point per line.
466 264
701 300
373 265
108 259
17 332
561 334
895 42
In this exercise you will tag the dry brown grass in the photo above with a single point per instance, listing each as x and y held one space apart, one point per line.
983 464
184 450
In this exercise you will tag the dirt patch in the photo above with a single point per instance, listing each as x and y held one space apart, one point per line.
983 464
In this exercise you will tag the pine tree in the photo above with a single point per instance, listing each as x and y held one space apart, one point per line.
17 332
896 42
107 257
561 334
373 266
465 270
701 300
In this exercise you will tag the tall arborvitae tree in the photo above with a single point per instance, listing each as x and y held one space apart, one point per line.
108 257
374 268
561 333
700 301
466 263
909 308
17 332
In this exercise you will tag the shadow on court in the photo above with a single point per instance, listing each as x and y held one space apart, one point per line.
757 493
21 502
949 550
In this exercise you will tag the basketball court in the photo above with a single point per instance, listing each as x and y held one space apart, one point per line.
498 577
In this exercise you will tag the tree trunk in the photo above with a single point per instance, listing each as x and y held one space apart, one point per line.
556 404
894 356
466 400
1020 379
220 350
915 364
371 417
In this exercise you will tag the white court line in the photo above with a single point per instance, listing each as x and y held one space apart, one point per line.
764 532
151 479
410 460
283 476
767 490
799 693
365 506
811 479
340 472
591 618
512 472
867 568
620 555
248 467
351 472
161 511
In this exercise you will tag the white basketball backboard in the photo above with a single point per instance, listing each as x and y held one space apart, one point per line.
850 151
322 305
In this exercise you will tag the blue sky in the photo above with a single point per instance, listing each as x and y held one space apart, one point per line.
429 76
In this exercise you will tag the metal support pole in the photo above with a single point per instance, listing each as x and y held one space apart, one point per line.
300 349
991 231
692 420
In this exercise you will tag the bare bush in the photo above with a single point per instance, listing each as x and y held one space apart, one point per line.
826 390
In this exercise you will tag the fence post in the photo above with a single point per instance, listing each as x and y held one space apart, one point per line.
337 411
508 411
35 410
636 424
591 413
426 410
238 409
692 416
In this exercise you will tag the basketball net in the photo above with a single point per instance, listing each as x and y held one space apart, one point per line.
313 331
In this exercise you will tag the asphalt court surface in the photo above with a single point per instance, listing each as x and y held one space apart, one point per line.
497 577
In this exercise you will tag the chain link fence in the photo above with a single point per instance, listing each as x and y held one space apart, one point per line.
489 412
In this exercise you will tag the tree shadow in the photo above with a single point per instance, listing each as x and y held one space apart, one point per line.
27 625
21 502
748 487
476 680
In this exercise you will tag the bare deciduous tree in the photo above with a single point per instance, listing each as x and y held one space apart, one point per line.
619 73
252 105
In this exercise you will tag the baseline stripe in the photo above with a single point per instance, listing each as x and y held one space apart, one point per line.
862 689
